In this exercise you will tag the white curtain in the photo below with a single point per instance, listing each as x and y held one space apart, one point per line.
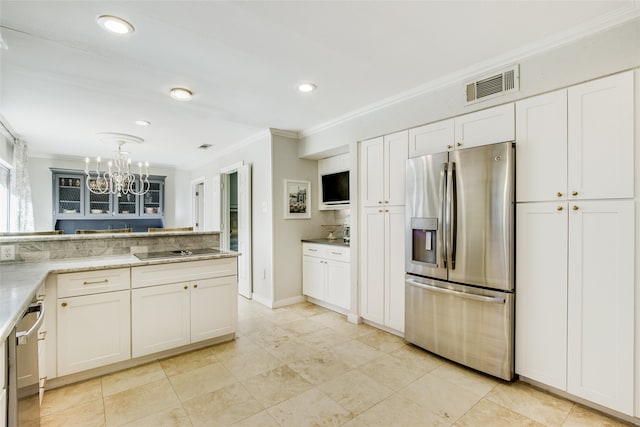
21 216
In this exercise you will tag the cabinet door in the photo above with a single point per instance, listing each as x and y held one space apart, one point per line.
338 283
97 205
541 303
69 191
432 138
541 147
160 318
601 138
372 268
601 303
93 331
313 277
395 163
372 172
152 202
484 127
214 305
394 233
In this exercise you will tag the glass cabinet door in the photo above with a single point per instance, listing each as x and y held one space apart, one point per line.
98 204
69 191
152 201
126 204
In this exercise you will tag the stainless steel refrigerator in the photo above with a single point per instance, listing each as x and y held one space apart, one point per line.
459 299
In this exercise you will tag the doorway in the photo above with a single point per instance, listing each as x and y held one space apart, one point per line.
198 194
235 228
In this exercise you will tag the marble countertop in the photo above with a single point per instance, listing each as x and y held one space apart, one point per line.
335 242
105 236
20 281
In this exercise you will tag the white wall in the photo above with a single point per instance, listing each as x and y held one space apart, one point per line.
42 190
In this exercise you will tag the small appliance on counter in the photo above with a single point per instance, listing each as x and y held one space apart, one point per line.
347 227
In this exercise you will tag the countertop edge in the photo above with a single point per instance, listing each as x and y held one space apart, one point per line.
336 242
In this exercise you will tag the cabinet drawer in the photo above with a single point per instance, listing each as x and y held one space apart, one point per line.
93 282
150 275
338 253
311 249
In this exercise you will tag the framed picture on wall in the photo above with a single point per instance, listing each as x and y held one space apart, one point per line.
297 199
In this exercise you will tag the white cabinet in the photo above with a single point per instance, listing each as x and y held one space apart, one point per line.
577 143
326 273
541 147
541 303
334 164
382 169
3 385
168 312
483 127
601 303
92 331
382 266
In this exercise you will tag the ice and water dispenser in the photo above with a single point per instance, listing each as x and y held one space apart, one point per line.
424 240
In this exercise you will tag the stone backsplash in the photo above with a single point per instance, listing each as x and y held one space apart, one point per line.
44 248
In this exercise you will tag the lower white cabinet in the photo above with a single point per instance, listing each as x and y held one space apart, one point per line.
326 273
93 330
575 298
382 266
3 385
214 307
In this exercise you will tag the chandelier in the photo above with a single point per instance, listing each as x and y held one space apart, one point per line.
118 179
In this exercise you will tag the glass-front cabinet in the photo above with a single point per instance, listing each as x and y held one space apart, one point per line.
73 199
68 190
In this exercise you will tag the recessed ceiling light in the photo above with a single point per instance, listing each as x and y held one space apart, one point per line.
181 94
115 24
143 122
307 87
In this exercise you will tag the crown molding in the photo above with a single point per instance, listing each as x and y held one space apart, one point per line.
592 27
285 133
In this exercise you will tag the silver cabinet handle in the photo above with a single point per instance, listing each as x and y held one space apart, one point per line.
337 253
312 250
23 336
95 282
495 300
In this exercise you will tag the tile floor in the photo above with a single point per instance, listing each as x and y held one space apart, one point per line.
304 365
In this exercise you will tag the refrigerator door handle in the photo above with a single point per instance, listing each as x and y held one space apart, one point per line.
482 298
452 228
441 214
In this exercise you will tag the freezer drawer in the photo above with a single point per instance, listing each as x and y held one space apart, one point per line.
468 325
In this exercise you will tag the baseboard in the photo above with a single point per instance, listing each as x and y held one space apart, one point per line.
354 318
262 300
288 301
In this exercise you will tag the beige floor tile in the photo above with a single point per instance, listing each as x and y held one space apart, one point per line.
90 414
239 346
276 385
130 378
176 417
355 353
28 410
222 407
400 411
581 416
307 309
487 413
250 364
324 339
261 419
466 378
140 402
63 398
282 315
417 359
201 380
535 404
320 367
441 397
383 341
291 349
356 422
270 336
254 325
188 361
311 408
355 391
390 372
302 326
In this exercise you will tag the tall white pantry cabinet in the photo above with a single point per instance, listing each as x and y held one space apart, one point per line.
382 179
575 222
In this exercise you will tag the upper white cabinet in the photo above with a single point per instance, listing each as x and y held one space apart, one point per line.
484 127
339 163
432 138
382 169
541 147
600 138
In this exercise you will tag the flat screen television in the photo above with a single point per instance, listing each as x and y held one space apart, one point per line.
335 188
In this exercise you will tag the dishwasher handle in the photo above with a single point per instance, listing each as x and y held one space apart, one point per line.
22 337
476 297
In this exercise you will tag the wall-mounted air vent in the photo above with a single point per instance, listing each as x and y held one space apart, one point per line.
495 84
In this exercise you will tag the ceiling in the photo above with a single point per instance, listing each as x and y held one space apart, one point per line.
63 79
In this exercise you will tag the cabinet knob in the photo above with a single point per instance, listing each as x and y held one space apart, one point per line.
559 208
195 286
186 287
449 147
574 193
459 144
559 194
575 208
379 202
64 304
380 210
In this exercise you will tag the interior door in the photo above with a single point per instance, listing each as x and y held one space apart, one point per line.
244 231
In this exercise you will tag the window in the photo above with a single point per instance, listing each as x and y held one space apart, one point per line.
4 198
